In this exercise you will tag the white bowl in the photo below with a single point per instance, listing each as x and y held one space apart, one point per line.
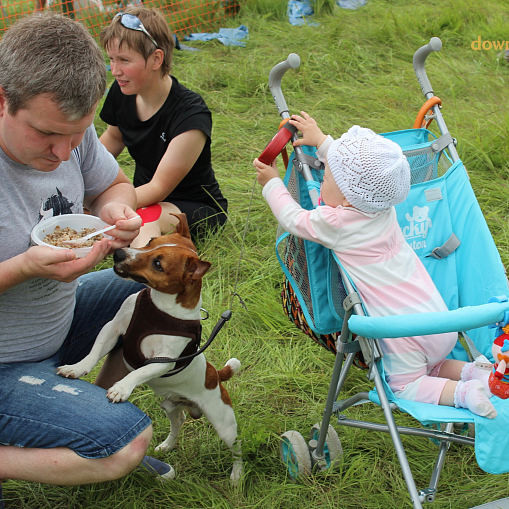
75 221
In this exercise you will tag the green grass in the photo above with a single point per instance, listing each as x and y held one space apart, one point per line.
356 67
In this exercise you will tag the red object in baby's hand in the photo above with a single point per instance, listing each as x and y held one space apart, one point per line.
278 143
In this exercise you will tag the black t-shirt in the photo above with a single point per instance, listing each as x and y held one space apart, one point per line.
147 141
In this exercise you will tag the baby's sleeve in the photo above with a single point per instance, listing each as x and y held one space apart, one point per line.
306 224
321 153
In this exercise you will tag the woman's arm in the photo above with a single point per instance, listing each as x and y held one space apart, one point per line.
180 156
112 140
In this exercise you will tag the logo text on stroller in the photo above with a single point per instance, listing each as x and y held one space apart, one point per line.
418 225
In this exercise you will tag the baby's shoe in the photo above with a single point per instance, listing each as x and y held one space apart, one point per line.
472 395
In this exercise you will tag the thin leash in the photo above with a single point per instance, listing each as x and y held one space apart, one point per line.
224 317
234 293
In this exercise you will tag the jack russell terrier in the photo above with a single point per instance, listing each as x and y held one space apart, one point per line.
162 323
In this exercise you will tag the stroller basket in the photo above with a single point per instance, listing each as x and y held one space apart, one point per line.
322 309
426 158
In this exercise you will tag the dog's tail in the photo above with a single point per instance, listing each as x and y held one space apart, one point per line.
232 366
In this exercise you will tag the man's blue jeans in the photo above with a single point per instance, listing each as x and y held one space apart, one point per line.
40 409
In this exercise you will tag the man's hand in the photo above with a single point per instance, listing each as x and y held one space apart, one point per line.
265 172
127 223
312 134
59 264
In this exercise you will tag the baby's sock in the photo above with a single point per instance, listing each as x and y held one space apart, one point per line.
472 395
480 370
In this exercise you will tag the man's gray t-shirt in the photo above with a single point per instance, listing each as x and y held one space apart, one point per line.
36 315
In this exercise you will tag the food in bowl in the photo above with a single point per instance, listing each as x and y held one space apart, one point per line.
75 221
60 235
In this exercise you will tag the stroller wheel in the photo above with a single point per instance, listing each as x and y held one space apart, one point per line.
295 454
332 448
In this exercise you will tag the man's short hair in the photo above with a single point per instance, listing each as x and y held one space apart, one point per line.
155 24
52 54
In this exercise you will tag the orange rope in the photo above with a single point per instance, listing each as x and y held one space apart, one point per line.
425 110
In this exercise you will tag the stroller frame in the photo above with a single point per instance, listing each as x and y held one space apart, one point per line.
355 321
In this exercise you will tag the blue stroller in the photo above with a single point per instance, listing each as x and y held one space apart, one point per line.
443 223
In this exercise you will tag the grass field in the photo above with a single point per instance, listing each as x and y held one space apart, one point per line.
356 68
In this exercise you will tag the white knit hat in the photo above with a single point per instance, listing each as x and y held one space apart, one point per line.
370 170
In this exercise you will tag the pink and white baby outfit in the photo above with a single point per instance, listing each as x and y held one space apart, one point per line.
367 239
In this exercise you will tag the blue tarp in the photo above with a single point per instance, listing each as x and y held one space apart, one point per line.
299 12
227 36
351 4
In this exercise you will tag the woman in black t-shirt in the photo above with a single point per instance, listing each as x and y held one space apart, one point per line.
165 127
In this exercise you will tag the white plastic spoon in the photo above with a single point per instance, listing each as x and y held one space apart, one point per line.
82 240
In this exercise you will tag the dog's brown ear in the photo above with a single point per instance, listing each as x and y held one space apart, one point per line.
195 269
182 227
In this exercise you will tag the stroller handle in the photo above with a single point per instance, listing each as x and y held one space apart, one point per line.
275 77
435 44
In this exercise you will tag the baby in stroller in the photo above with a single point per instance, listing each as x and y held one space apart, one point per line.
365 176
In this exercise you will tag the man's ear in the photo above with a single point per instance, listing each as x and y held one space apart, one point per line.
3 102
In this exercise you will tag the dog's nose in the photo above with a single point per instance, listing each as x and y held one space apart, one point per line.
118 255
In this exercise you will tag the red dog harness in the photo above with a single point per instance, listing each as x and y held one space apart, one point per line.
147 320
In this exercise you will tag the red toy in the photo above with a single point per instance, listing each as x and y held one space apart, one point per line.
278 143
499 378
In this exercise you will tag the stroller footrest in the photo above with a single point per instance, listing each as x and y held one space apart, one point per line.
405 430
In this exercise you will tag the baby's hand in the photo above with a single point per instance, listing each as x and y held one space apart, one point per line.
312 134
265 172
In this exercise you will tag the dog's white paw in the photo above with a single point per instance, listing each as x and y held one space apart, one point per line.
167 445
234 364
236 473
119 392
73 370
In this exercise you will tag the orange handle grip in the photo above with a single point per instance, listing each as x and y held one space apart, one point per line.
426 108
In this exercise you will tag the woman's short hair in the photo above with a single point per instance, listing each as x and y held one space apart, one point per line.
155 24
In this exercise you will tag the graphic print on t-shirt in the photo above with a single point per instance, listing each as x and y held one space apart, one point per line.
55 205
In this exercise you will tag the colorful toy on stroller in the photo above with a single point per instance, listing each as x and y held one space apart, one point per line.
443 223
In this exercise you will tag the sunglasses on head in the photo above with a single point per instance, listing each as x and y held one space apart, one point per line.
132 22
